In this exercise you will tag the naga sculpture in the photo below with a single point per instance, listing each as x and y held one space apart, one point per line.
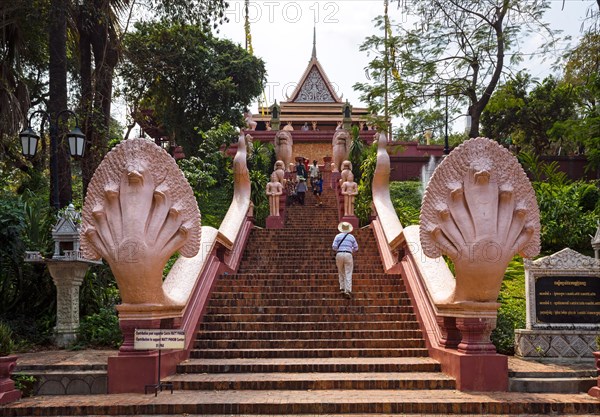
480 210
283 147
138 211
341 147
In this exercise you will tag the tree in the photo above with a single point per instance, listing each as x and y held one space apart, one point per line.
100 49
530 118
457 47
190 80
23 61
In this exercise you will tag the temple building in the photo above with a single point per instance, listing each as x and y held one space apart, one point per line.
314 104
312 113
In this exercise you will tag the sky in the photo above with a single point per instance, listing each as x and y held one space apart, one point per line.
282 35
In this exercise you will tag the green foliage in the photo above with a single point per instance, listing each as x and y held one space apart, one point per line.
190 80
440 53
100 330
258 181
406 197
215 206
24 383
564 221
357 148
6 342
566 208
364 199
511 314
533 120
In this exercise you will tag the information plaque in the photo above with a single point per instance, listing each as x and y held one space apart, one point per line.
567 299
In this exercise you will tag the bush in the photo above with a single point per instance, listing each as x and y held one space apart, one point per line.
100 330
6 342
24 383
406 197
511 314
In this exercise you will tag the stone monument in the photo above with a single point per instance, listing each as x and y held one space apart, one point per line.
563 307
283 147
67 268
341 147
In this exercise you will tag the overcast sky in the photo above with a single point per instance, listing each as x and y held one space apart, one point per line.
282 35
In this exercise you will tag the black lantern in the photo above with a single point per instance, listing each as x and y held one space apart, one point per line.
76 142
29 142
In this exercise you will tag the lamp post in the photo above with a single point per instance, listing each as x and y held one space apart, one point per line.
30 139
446 147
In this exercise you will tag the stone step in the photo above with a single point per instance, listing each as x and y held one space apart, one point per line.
308 343
239 365
316 402
310 309
312 353
397 297
257 277
309 326
310 334
332 300
313 381
211 318
357 288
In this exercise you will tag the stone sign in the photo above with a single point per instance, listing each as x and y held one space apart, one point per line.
563 307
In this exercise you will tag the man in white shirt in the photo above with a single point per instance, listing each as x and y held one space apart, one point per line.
344 244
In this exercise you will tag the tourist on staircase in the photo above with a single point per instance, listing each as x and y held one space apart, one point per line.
344 244
301 190
313 172
318 189
300 170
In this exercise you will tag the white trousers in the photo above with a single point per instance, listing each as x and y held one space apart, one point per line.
345 265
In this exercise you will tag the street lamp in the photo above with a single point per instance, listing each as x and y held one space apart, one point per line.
30 139
446 147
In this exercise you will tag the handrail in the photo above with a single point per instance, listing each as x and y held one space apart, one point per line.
236 215
392 228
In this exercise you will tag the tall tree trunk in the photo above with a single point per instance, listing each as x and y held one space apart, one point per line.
98 91
59 159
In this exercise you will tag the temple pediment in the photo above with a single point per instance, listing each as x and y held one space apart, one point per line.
314 86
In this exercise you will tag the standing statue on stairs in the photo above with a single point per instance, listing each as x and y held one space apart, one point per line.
279 171
283 147
349 191
341 147
274 190
346 169
250 124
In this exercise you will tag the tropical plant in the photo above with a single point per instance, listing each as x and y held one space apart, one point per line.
6 341
100 330
364 199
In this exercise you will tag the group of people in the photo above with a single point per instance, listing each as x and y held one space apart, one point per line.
296 189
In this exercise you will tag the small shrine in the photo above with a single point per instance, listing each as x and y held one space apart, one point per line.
66 236
67 268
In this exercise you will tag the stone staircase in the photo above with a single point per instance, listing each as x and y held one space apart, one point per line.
279 339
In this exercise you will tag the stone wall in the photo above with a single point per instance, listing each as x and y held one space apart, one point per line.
312 151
